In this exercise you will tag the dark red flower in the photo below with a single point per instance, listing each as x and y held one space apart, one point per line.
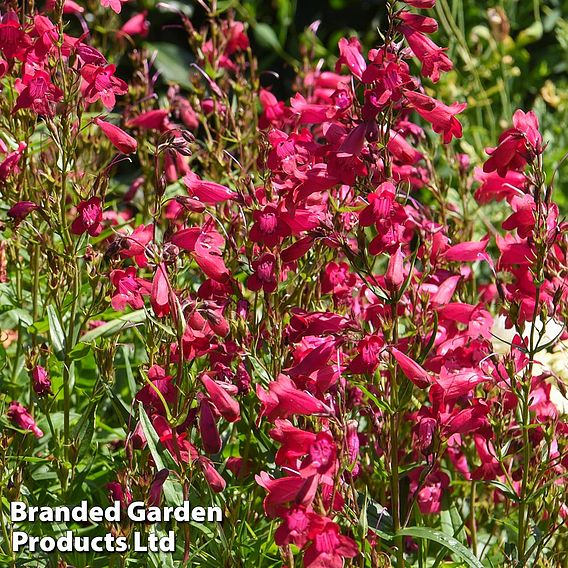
264 276
89 218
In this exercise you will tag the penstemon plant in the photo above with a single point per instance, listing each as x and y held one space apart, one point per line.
316 314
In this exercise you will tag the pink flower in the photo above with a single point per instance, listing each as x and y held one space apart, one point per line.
36 91
516 145
22 419
294 527
207 191
284 399
329 547
227 406
350 55
100 83
395 274
115 5
129 289
160 292
208 428
441 116
430 490
264 274
159 383
21 210
421 3
41 382
269 227
10 163
212 476
155 491
205 245
89 218
119 139
432 57
156 119
412 369
136 25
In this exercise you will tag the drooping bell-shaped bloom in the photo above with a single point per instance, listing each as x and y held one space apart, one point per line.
264 275
138 24
227 406
89 218
441 116
118 138
41 381
21 210
329 547
22 419
412 369
208 428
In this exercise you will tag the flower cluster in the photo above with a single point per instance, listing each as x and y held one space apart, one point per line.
316 313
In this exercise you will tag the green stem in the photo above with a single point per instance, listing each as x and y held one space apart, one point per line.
395 496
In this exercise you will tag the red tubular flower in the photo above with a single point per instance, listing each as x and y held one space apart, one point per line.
14 42
136 25
129 289
89 218
22 419
424 4
284 399
329 547
395 274
264 274
516 145
227 406
36 91
10 163
350 55
115 5
155 491
212 476
21 210
411 369
205 245
367 359
160 293
156 119
430 491
159 383
441 116
100 83
432 57
41 381
208 428
118 138
207 191
269 228
294 527
285 490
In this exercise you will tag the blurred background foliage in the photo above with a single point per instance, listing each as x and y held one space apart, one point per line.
508 54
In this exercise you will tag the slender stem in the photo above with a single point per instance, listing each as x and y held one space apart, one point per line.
473 525
394 425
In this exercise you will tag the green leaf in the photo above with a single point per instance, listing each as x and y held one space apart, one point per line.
378 519
79 351
266 37
115 326
449 542
173 62
56 333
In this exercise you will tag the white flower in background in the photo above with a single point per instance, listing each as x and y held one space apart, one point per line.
555 361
